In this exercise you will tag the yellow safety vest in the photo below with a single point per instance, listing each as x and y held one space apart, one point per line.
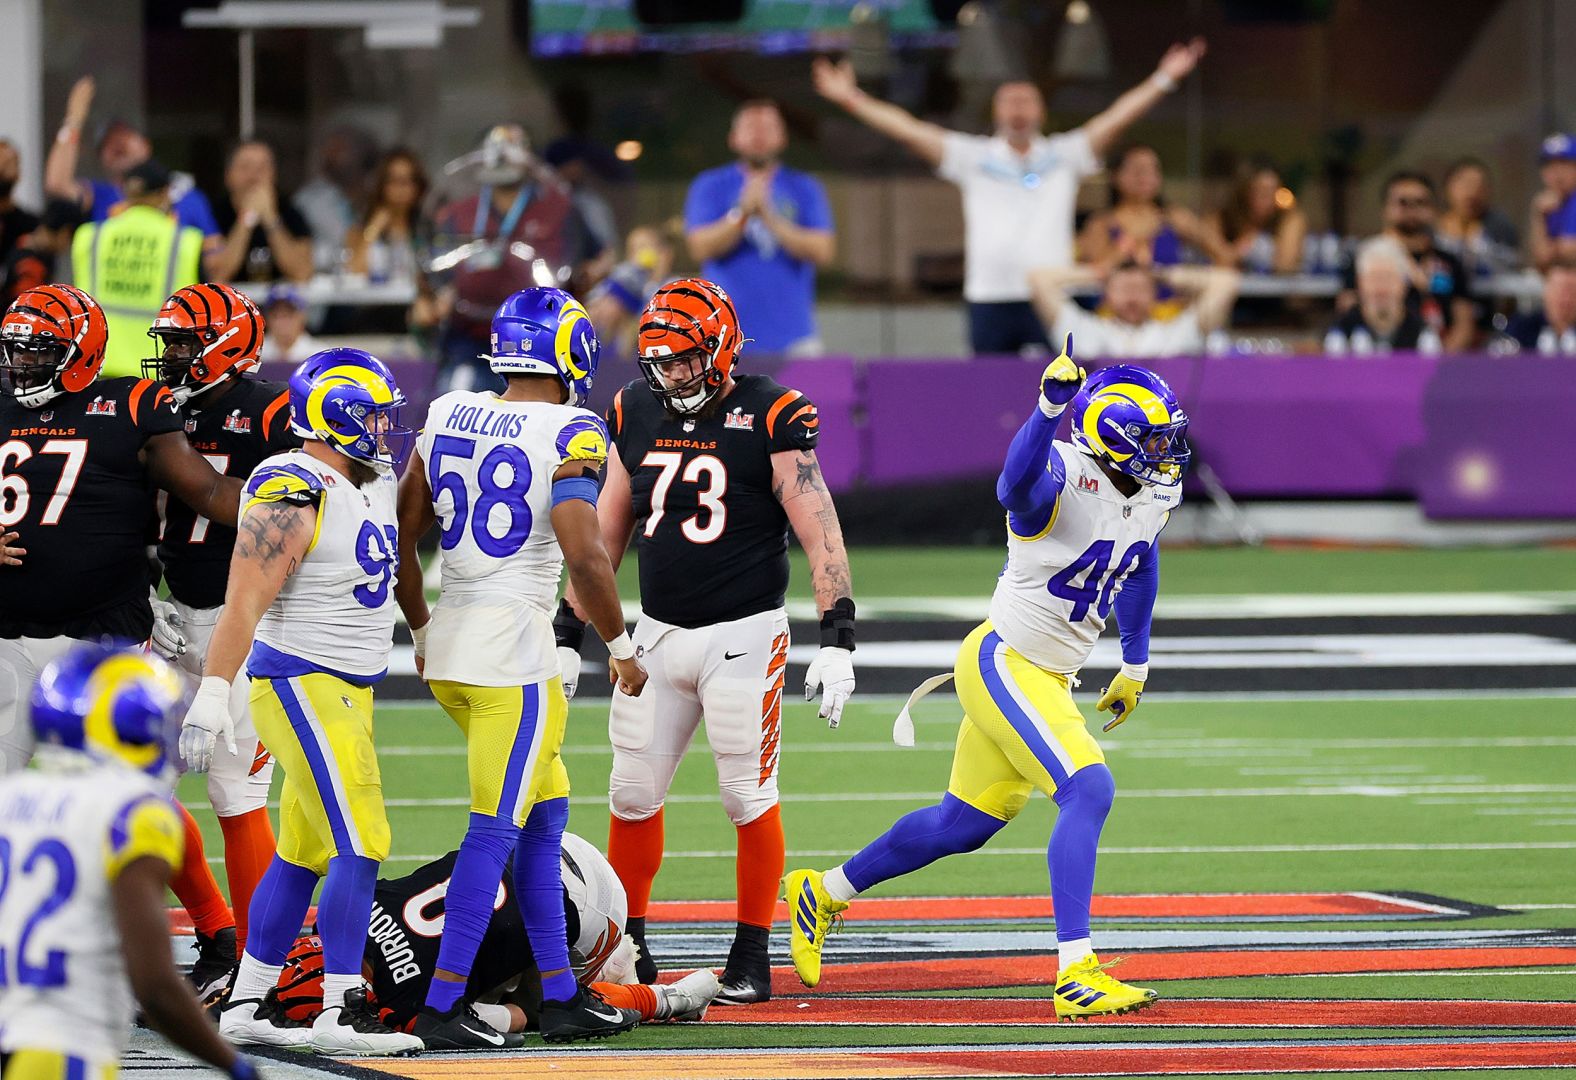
130 264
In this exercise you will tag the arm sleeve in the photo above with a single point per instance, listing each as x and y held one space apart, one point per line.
815 211
1074 148
152 409
1135 606
583 439
147 825
959 153
282 484
703 205
792 423
1031 479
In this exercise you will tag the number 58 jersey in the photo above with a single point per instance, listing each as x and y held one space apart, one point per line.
64 839
490 465
1059 585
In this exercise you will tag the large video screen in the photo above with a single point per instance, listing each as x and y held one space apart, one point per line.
609 27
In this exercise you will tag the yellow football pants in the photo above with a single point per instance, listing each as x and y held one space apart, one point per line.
25 1064
513 735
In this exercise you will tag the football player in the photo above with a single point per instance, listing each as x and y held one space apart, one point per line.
514 479
79 456
307 610
87 843
504 988
1083 526
207 341
712 468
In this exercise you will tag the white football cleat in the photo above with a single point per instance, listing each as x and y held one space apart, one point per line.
687 999
354 1028
262 1023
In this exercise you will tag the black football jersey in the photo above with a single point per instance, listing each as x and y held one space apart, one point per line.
711 536
235 434
73 485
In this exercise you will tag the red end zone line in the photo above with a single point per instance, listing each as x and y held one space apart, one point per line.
1180 906
992 1012
971 974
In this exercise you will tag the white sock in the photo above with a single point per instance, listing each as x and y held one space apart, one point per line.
837 885
1069 953
254 979
335 987
495 1016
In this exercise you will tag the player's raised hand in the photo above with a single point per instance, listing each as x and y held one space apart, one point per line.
569 670
834 80
10 554
80 101
206 722
627 675
832 671
1120 699
1180 60
1062 379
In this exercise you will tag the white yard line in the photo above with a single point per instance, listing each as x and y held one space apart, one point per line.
1474 974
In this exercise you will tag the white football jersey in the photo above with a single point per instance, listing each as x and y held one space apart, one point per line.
1057 589
490 464
64 837
336 612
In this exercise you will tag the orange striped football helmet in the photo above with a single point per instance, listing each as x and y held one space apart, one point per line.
205 334
52 341
688 342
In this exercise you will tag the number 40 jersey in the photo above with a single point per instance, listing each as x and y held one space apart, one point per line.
1058 587
490 465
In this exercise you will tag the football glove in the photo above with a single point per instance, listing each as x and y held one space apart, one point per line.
206 722
168 641
1061 380
569 670
1121 697
832 671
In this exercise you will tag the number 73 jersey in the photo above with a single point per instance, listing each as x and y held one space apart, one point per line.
1059 585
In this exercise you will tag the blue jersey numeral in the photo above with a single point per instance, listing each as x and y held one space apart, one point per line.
52 972
511 495
378 553
1097 589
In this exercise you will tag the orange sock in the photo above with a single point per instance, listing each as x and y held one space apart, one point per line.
643 999
194 886
758 869
248 849
634 848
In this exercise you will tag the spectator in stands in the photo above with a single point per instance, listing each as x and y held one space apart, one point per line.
1470 229
1260 230
1019 187
265 238
1382 320
761 230
1440 290
520 208
284 320
579 163
1138 226
329 201
121 148
15 222
388 242
1551 331
37 258
616 300
1551 230
1131 330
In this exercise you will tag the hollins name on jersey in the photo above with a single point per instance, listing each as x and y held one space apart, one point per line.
480 420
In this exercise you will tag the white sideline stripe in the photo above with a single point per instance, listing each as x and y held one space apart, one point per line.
1473 974
1540 907
1385 898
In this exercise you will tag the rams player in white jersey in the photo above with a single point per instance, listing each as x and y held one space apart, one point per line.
1083 524
309 611
513 480
88 840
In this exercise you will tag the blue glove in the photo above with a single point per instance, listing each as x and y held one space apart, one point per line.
1061 380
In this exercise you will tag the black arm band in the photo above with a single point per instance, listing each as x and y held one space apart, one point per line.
568 631
837 626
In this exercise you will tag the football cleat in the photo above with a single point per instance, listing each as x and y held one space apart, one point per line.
689 998
744 987
462 1029
747 979
585 1016
354 1028
262 1023
214 968
811 913
1085 990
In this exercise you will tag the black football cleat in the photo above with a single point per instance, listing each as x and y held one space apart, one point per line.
585 1016
215 965
462 1029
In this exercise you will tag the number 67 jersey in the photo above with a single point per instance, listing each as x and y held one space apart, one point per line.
1059 585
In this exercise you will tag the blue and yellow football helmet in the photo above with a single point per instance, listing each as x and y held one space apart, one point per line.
114 703
1128 416
542 331
348 399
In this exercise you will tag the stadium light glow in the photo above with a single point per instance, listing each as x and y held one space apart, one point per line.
629 150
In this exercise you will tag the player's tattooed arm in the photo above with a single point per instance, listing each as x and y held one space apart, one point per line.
271 541
186 474
799 486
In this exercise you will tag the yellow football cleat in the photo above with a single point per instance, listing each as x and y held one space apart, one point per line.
1085 990
811 912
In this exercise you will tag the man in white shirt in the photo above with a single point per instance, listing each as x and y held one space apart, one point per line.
1019 186
1131 331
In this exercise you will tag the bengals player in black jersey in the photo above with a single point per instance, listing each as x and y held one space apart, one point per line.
712 468
207 342
80 459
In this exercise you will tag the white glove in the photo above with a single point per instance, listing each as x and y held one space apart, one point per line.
206 721
168 641
833 671
569 669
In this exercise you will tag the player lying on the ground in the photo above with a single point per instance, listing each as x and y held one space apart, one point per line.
87 843
1083 524
504 988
